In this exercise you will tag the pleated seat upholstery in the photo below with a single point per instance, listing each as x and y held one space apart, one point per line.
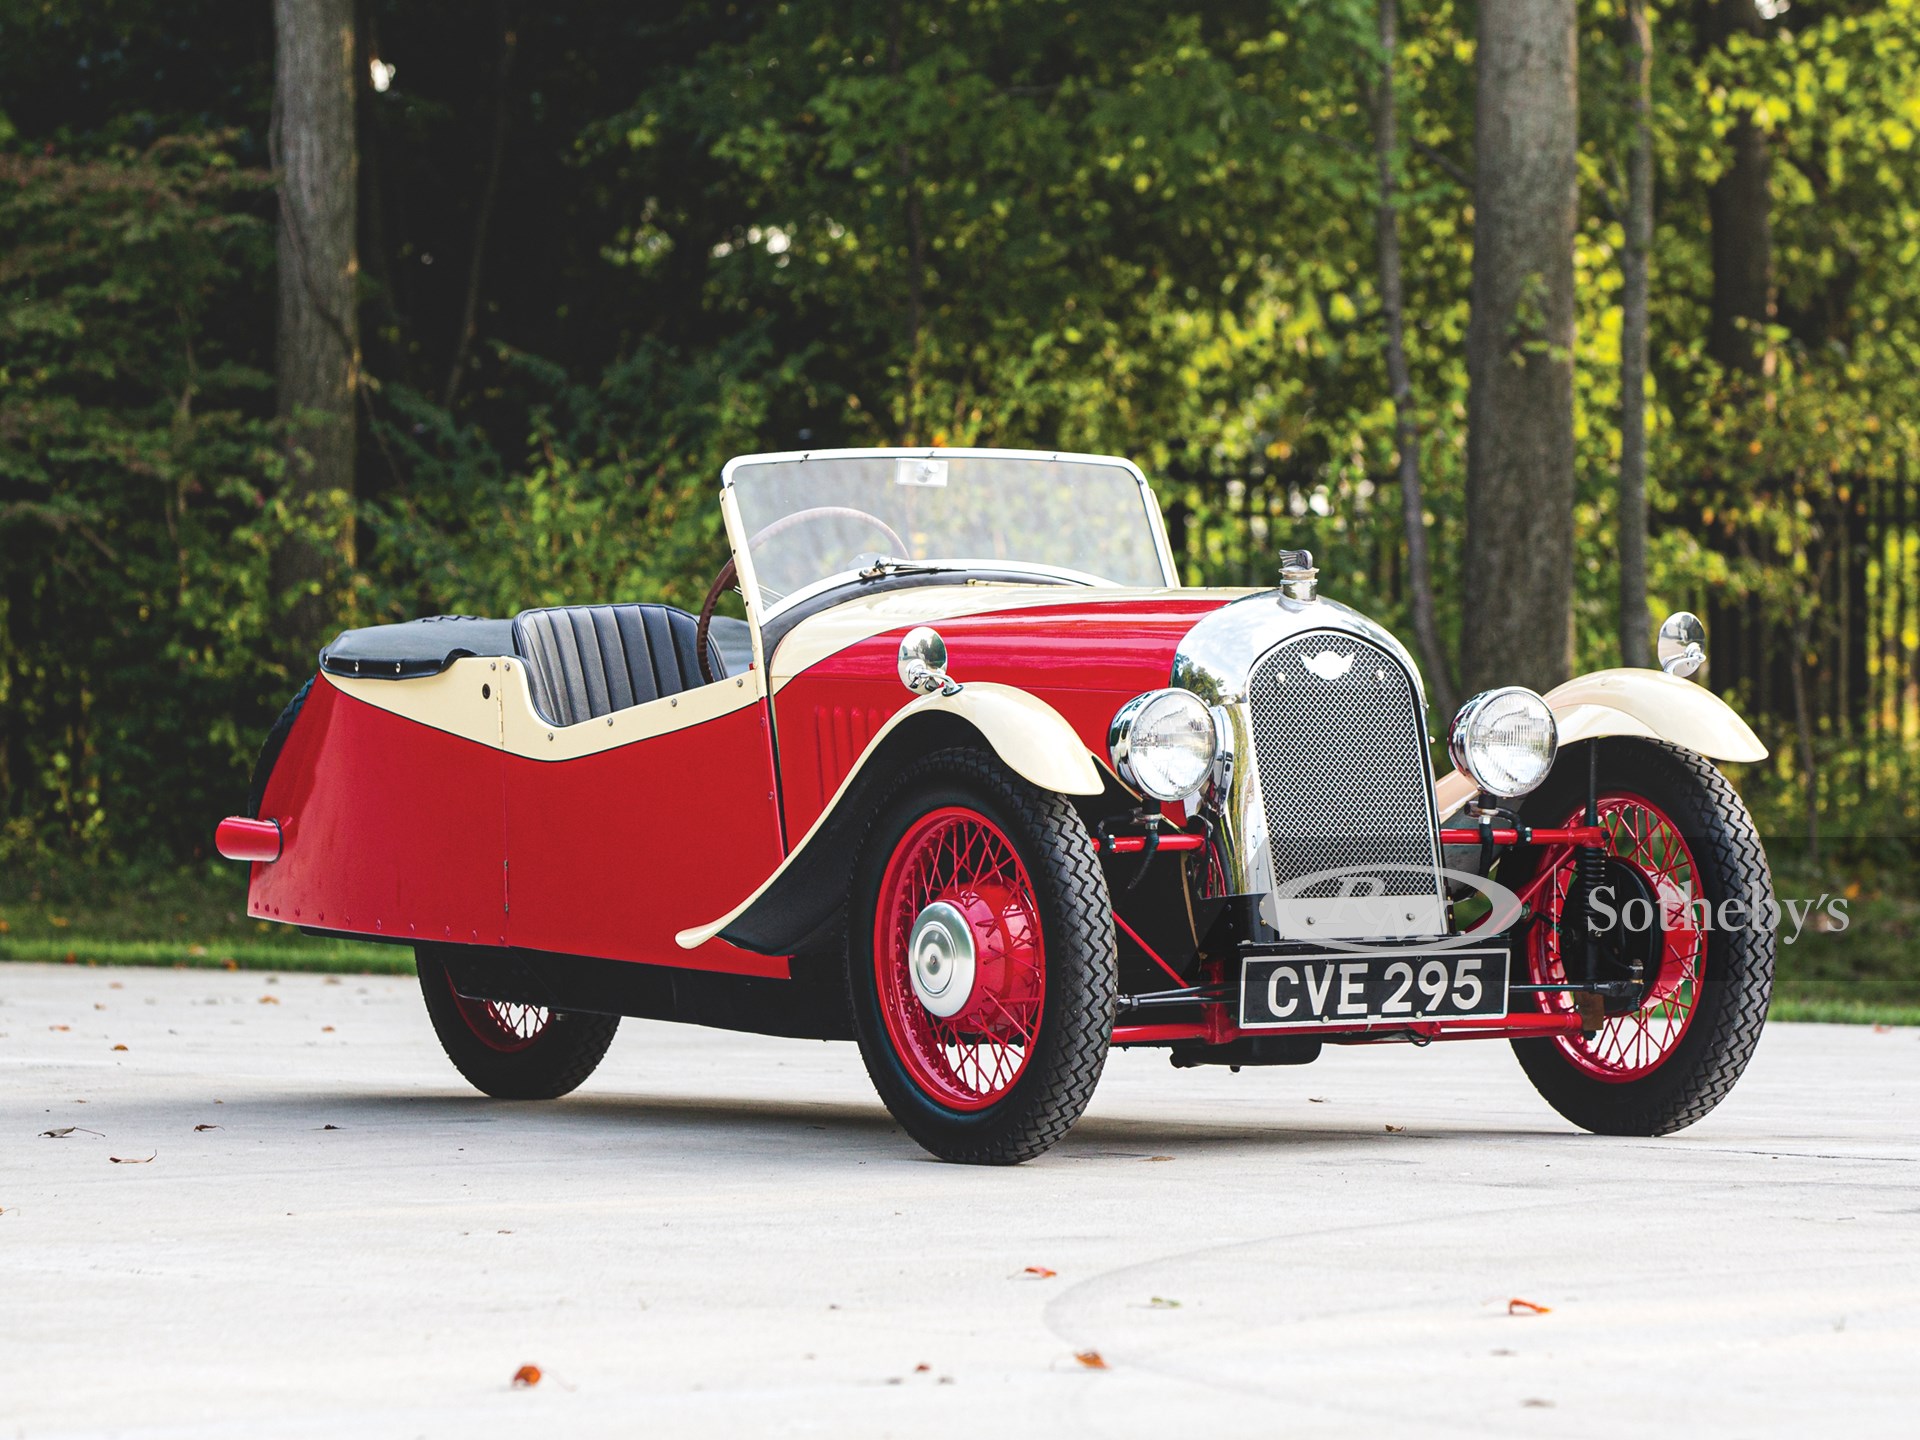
585 661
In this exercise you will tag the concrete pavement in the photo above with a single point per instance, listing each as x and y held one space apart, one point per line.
725 1235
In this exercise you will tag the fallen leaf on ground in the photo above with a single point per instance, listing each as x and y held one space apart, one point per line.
1882 1029
133 1159
269 999
116 985
230 964
922 1369
1160 1302
1527 1307
199 1128
1316 1099
1152 1158
1396 1129
1536 1404
59 1027
98 1006
65 1130
326 1030
1092 1359
1039 1272
331 980
526 1377
119 1047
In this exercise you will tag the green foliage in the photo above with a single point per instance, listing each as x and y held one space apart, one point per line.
1125 227
133 456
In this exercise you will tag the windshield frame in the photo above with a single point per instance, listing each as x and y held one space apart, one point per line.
749 581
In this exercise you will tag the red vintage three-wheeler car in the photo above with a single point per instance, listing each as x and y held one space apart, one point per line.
980 785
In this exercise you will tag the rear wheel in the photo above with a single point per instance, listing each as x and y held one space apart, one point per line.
1682 846
510 1051
980 961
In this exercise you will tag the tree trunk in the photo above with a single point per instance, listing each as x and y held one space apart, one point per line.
1518 623
1634 620
318 351
1739 210
1406 428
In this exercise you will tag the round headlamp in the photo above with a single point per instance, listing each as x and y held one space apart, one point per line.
1164 743
1504 740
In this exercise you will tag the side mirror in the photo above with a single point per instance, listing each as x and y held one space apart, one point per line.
923 663
1682 647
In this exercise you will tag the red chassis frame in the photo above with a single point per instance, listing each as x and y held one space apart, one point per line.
1218 1027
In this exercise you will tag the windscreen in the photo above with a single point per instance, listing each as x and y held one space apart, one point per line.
826 517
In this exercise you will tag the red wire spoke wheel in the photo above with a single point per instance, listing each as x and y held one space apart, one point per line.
505 1048
1644 838
1691 935
502 1025
981 963
958 957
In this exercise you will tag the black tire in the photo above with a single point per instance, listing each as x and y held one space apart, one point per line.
1080 961
1736 976
270 748
564 1052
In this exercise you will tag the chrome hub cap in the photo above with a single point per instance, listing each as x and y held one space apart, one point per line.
941 959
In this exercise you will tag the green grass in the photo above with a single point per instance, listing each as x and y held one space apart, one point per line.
344 957
192 920
1843 1012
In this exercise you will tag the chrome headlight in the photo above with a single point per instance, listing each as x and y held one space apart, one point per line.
1164 743
1504 740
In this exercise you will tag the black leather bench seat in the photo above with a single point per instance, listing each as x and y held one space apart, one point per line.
583 661
586 661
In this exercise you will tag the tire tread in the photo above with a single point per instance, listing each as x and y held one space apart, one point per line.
1061 1093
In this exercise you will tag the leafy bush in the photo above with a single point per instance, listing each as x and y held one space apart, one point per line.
136 452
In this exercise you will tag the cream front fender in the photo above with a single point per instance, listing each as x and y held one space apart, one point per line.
1031 738
1654 706
1645 703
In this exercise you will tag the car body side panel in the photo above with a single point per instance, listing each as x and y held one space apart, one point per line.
421 826
392 829
612 853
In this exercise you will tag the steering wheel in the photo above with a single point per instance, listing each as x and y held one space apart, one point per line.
730 571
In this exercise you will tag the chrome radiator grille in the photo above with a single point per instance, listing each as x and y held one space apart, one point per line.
1344 776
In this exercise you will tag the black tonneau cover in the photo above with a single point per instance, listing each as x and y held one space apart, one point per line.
415 647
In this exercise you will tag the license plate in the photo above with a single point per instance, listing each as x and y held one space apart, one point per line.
1277 991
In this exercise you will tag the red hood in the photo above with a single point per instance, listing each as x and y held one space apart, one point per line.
1105 641
1086 653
